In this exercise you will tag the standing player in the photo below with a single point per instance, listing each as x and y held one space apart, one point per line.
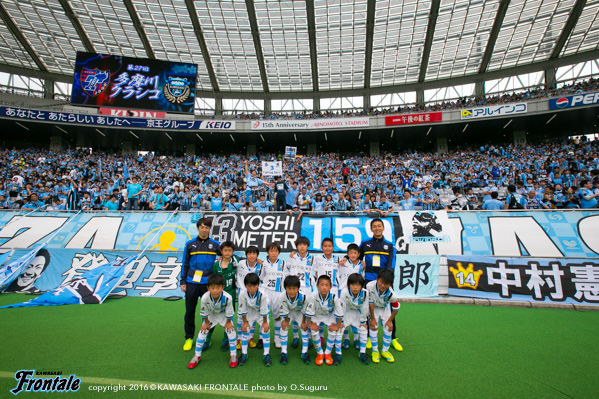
352 265
356 309
226 267
327 264
216 308
252 310
251 264
324 308
293 304
300 265
383 307
271 277
199 255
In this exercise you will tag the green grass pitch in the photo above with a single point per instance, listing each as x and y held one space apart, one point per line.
450 351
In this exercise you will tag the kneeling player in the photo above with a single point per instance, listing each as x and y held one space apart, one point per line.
217 308
324 308
253 309
293 304
355 304
383 307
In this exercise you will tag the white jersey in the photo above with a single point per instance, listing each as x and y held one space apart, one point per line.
346 270
380 300
296 306
211 307
316 306
358 304
243 269
302 268
253 306
272 275
330 267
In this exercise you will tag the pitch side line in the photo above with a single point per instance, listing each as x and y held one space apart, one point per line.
238 394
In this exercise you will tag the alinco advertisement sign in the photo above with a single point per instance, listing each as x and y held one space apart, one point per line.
574 101
494 110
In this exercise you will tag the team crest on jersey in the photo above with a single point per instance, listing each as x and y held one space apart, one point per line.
94 81
177 90
386 246
210 246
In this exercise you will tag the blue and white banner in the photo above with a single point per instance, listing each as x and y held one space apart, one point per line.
55 117
272 168
525 279
416 276
92 287
574 101
10 271
494 110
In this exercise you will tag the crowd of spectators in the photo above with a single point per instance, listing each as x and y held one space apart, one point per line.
591 84
549 175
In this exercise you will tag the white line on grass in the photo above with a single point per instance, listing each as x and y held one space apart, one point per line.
237 393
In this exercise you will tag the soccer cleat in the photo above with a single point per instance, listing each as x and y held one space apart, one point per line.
396 345
242 359
260 344
207 345
233 361
346 344
295 343
238 344
194 362
278 343
319 360
336 360
251 344
368 344
364 358
224 346
328 359
357 345
376 357
310 344
267 360
306 358
388 357
283 358
188 344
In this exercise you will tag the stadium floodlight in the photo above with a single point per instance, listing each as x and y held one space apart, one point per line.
507 124
200 137
230 135
360 135
23 126
262 137
392 131
325 137
465 127
98 130
429 130
133 134
62 130
168 136
550 119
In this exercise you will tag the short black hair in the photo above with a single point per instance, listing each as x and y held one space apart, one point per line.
378 219
216 279
252 249
291 281
205 221
355 247
356 278
324 277
274 245
302 240
327 240
251 279
386 275
227 244
494 194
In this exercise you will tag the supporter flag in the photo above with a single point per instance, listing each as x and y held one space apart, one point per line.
10 271
125 173
93 286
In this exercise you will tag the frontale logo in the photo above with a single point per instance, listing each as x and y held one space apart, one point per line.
26 382
177 90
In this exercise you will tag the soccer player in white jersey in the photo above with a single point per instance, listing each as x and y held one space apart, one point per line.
250 264
356 309
253 309
293 305
300 265
217 308
384 305
324 308
327 264
271 277
352 265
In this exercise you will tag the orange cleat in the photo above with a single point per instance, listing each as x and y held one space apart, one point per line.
319 360
328 359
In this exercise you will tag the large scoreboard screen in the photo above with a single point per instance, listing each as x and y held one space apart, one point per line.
125 82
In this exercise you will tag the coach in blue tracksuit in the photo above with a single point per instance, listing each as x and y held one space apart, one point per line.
199 255
378 254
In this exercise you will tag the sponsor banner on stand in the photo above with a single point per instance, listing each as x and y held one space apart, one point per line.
495 110
131 112
410 119
564 280
574 101
308 124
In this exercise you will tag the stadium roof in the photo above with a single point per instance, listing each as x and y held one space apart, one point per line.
299 47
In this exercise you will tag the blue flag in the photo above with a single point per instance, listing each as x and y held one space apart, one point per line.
10 271
93 286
